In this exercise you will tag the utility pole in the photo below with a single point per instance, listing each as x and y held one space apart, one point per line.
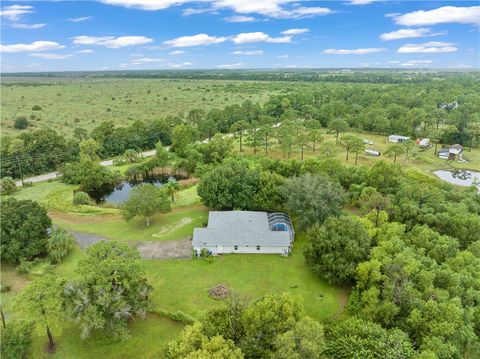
19 168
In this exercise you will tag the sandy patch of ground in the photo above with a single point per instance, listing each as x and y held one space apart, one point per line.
183 222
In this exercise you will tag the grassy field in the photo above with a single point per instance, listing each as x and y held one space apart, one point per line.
67 103
147 341
426 160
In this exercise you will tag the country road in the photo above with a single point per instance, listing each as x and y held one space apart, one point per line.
53 175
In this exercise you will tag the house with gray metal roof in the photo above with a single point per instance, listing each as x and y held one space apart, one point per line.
245 232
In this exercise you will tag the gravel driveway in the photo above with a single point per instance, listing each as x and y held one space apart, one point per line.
148 249
165 249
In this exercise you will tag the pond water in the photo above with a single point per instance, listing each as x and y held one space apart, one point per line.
118 193
460 177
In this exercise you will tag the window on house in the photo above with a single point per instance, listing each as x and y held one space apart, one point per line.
235 248
258 248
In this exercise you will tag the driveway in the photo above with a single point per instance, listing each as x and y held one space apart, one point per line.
148 249
166 249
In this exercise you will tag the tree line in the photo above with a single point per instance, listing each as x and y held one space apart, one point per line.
409 108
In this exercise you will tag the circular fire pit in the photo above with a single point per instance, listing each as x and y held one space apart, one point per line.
219 292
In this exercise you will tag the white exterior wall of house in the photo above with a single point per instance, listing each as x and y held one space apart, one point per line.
397 138
244 249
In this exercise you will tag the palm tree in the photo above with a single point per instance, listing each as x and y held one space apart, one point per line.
171 188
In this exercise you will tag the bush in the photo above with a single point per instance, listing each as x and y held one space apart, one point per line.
81 198
7 185
119 161
21 123
25 267
177 316
15 340
36 108
5 288
59 244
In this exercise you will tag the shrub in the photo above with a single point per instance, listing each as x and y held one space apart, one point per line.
80 198
59 244
119 161
36 108
5 288
7 185
177 316
25 267
15 340
21 123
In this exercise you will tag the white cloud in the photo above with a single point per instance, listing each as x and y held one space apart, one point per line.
111 42
146 60
146 4
191 11
442 15
194 40
268 8
432 47
18 25
283 56
240 18
51 56
353 51
86 51
79 19
295 31
177 52
180 66
408 33
15 12
413 63
248 53
361 2
394 62
236 65
33 47
252 37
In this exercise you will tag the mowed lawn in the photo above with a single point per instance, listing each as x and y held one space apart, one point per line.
175 225
148 338
184 284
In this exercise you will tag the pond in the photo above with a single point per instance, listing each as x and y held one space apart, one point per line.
460 177
118 193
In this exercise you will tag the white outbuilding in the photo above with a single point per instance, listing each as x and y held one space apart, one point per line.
245 232
397 138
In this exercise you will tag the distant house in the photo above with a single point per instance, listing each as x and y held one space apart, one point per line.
397 138
245 232
453 153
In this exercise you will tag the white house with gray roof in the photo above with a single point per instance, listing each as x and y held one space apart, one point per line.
245 232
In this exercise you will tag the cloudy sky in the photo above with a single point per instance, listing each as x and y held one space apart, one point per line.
231 34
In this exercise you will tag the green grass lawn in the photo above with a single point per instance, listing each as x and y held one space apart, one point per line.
175 225
184 284
147 341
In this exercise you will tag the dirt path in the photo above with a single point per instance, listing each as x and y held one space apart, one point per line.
85 239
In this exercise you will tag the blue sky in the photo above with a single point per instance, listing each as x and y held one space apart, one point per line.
173 34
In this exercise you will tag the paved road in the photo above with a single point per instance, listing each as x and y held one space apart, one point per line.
53 175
